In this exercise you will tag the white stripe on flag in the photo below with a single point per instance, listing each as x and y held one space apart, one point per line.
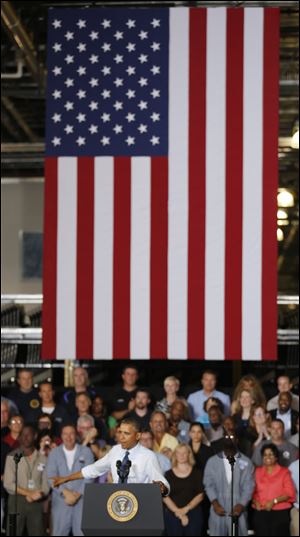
66 258
178 183
140 258
103 257
252 184
215 184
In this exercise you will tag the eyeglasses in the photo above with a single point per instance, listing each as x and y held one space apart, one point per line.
19 422
259 415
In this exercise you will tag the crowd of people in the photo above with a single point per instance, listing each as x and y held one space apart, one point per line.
198 445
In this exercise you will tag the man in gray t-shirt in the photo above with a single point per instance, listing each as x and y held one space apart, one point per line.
288 453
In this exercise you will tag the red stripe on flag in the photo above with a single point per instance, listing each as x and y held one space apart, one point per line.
270 183
159 258
85 258
234 184
121 279
50 260
196 239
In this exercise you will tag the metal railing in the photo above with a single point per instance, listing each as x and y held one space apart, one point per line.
13 335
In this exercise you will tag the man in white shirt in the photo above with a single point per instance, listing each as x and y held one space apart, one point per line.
67 502
143 465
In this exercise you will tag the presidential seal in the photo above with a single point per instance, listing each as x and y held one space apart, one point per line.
122 506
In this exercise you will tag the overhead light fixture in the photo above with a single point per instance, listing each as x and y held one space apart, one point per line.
285 198
295 136
282 222
281 214
280 235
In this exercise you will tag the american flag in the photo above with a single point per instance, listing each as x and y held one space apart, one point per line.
161 184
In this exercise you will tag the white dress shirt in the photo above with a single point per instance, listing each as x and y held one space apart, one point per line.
144 466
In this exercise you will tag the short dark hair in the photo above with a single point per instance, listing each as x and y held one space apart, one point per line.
197 424
287 394
129 366
210 372
278 421
70 424
272 447
131 421
22 370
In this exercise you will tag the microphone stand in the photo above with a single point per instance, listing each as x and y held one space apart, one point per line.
234 519
13 516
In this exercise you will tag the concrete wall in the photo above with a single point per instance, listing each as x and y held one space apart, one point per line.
22 203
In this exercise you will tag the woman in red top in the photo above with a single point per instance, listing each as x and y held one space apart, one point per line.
273 496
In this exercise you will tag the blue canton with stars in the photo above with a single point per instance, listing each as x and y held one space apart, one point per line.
107 88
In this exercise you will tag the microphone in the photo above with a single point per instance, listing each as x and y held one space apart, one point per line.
18 456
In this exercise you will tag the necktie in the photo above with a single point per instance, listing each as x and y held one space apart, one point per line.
123 468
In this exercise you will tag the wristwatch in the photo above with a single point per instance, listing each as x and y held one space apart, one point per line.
275 501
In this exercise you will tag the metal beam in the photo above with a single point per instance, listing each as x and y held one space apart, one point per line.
10 107
21 38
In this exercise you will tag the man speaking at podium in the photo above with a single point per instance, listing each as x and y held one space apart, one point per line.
129 462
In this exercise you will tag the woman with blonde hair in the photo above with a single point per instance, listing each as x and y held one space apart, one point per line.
171 387
183 511
248 382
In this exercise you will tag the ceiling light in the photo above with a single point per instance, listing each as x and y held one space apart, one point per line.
285 198
282 222
282 214
295 136
280 235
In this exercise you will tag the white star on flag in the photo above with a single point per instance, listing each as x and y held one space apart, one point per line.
56 141
130 140
118 129
56 118
130 23
69 106
81 23
56 94
56 71
57 47
93 129
56 23
68 129
80 140
105 140
106 23
154 140
80 117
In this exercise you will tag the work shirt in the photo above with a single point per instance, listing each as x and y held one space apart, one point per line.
31 473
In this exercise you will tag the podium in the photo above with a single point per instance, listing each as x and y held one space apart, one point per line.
122 509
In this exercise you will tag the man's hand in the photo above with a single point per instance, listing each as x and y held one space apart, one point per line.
90 436
34 496
218 509
71 496
163 488
131 405
58 481
238 509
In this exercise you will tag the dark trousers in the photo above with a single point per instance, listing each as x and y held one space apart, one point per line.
271 523
174 527
30 516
